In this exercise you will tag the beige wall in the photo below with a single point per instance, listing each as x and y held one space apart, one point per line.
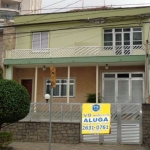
1 48
85 79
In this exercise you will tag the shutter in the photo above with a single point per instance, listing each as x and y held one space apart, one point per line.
36 41
137 91
109 91
123 91
44 39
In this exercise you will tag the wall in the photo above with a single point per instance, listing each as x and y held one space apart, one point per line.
85 79
146 124
68 133
1 48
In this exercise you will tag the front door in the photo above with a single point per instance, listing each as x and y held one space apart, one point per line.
123 87
27 83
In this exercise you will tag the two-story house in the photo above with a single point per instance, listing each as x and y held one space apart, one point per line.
94 51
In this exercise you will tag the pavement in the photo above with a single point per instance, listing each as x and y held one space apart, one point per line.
81 146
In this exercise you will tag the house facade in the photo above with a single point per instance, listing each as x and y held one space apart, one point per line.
97 51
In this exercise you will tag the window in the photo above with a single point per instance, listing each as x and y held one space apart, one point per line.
61 88
40 40
123 37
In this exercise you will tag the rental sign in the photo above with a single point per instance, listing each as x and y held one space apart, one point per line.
96 118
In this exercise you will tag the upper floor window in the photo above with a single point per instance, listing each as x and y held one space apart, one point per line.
123 37
40 40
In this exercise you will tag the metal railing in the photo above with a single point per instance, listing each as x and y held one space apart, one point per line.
61 112
82 51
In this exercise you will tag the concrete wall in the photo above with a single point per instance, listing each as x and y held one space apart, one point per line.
68 133
85 79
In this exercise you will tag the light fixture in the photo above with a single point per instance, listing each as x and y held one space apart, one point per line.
47 97
44 68
106 66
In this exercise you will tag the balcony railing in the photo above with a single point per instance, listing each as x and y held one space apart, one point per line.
82 51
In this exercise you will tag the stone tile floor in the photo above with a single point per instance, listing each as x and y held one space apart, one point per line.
81 146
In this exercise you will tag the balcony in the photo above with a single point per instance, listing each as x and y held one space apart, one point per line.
82 51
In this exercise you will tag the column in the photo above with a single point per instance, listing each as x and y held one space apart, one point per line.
68 84
9 72
97 83
35 84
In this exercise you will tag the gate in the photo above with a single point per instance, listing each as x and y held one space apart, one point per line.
126 126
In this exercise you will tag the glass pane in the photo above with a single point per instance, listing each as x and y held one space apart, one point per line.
137 91
44 39
126 30
123 75
118 43
36 40
56 91
118 37
71 81
109 75
107 30
137 36
108 37
57 81
137 42
109 91
127 43
137 29
63 90
63 81
108 44
71 90
126 36
118 30
123 91
137 75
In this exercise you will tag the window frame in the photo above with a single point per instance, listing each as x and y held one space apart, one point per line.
122 32
36 49
60 79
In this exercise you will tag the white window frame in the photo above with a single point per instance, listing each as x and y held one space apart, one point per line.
116 79
36 49
59 96
122 33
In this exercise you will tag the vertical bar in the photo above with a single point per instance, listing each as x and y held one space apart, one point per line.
97 84
68 84
71 113
61 112
140 124
81 136
119 139
50 124
35 84
146 74
35 87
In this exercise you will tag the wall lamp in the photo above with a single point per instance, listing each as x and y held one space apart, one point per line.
106 66
44 68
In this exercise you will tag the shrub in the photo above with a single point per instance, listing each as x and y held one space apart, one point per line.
91 98
6 138
14 102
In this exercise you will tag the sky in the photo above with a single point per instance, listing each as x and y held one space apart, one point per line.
90 3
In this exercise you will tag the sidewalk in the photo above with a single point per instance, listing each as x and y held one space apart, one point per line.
81 146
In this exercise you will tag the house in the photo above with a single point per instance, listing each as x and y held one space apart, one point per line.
98 51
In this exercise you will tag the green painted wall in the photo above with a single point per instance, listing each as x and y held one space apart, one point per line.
92 36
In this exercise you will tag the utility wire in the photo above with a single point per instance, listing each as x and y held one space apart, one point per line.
54 11
64 17
77 28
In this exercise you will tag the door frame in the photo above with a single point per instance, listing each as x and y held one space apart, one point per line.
116 90
32 85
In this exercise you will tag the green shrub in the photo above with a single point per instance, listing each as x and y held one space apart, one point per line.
91 98
14 101
6 138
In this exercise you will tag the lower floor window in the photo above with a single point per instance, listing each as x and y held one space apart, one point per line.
61 88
